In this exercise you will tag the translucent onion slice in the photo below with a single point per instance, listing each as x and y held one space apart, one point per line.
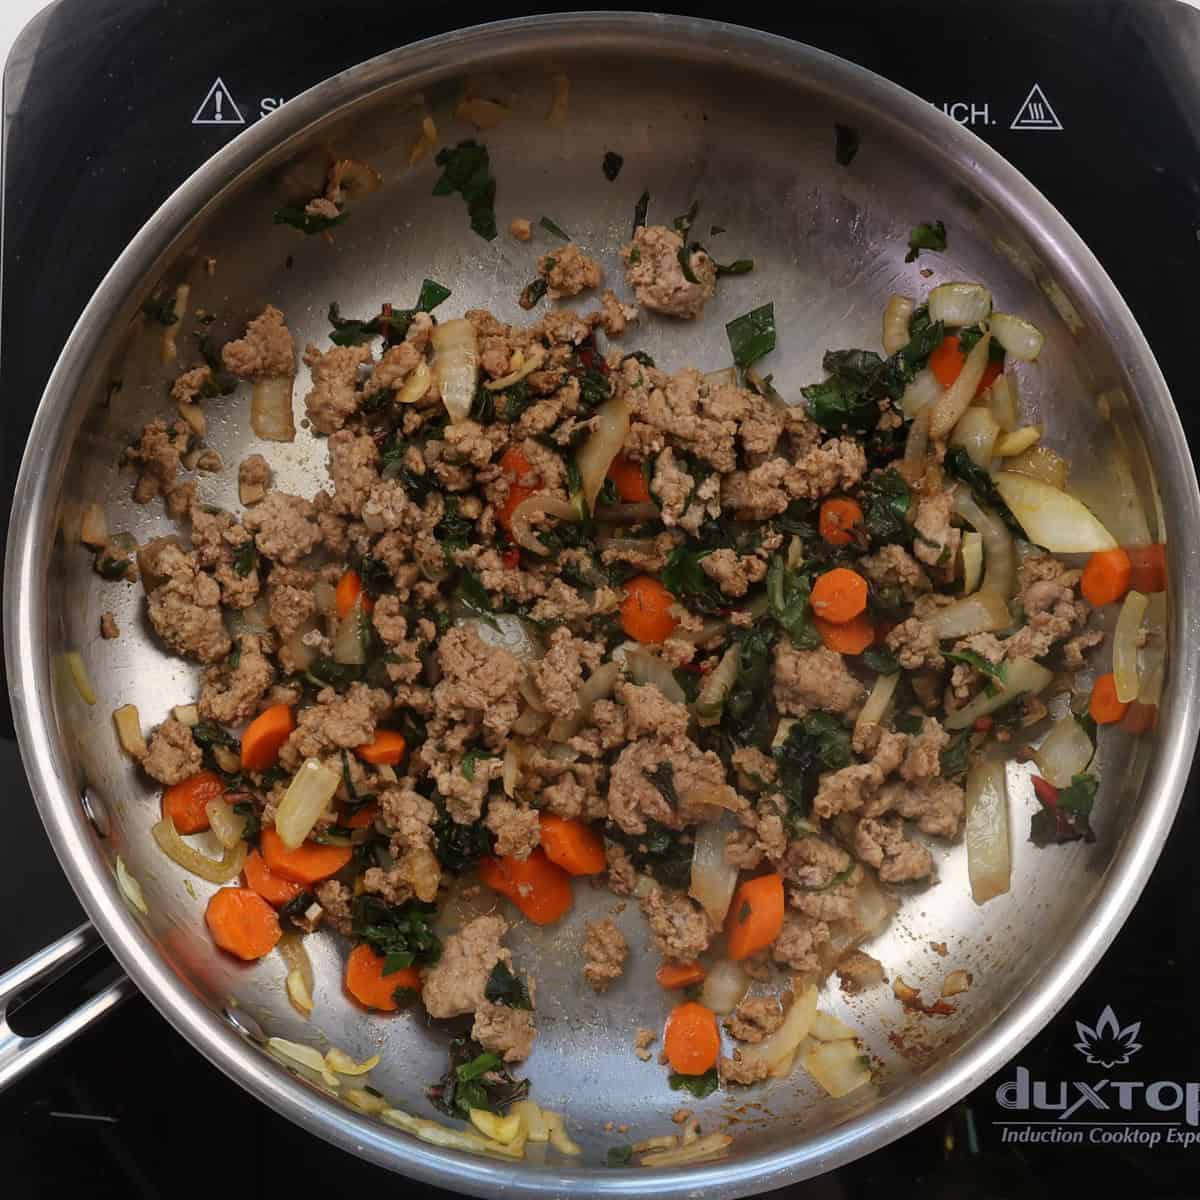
878 701
528 364
923 392
437 1134
724 986
228 826
955 400
984 612
645 667
1020 675
828 1028
416 385
1018 337
341 1062
989 858
271 409
300 980
596 455
972 557
186 714
456 366
1005 403
895 323
1053 519
1125 648
130 888
627 514
781 1046
306 1056
978 434
710 701
188 857
348 646
959 304
598 686
1065 752
713 879
999 551
840 1067
916 446
129 731
534 506
94 529
307 797
1017 442
1040 462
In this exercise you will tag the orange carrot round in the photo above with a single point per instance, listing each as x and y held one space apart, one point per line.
838 519
521 471
1104 706
1106 576
1148 567
264 735
541 890
242 922
755 916
349 590
672 975
629 480
646 610
692 1041
839 595
367 983
308 863
387 749
572 845
947 361
851 638
274 889
184 802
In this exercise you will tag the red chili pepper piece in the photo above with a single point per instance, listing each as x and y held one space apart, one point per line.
1046 792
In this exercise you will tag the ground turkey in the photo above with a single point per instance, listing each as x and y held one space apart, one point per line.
516 828
506 1031
334 723
185 606
157 456
266 350
334 396
848 790
172 755
880 842
743 1071
108 626
915 644
799 941
604 951
935 804
755 1018
858 971
1046 594
814 679
653 270
455 984
678 926
254 477
229 695
568 271
650 775
284 527
335 899
480 682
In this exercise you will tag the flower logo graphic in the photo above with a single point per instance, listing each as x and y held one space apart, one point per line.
1108 1045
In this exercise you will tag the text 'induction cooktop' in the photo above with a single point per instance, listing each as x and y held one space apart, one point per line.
110 104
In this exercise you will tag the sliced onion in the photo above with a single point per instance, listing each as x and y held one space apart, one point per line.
416 385
533 506
924 391
644 667
713 879
977 433
781 1046
456 366
171 332
511 774
916 446
229 827
708 630
827 1028
186 714
1017 442
298 650
1053 519
1065 752
1020 675
271 409
724 986
972 557
307 798
957 397
1018 337
529 722
130 888
895 323
252 619
228 760
1125 648
300 979
1004 402
710 701
984 612
1040 462
627 514
598 686
999 553
877 702
840 1067
959 304
595 456
306 1056
989 858
188 857
94 529
529 363
348 647
129 731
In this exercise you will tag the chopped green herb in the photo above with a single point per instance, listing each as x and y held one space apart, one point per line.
619 1156
503 987
308 223
972 658
466 169
161 309
471 758
1068 819
431 295
698 1085
325 672
663 778
846 141
960 464
925 237
375 574
110 567
245 559
788 593
476 1078
752 335
685 579
639 215
683 224
741 266
684 257
886 501
552 227
908 722
402 934
660 852
472 595
880 660
611 166
954 760
460 847
532 293
640 356
252 826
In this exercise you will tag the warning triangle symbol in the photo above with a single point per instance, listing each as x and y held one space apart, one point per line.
218 107
1035 112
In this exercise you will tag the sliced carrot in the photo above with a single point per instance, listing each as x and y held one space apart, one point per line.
1104 706
576 847
184 802
308 863
755 916
1139 717
947 361
629 480
851 638
360 818
839 595
672 975
692 1041
1106 576
1148 567
646 610
387 749
541 890
838 519
274 889
521 471
242 922
349 590
367 983
264 735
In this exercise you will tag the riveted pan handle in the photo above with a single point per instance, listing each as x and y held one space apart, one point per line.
20 1054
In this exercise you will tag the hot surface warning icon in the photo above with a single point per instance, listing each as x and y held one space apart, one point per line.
1036 113
218 107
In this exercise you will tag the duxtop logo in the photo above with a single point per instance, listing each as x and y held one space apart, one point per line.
1105 1111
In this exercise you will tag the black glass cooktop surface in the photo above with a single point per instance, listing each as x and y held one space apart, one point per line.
109 104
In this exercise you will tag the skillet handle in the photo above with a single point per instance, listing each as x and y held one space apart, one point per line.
19 1054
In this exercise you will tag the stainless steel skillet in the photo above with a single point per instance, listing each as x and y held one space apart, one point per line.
744 122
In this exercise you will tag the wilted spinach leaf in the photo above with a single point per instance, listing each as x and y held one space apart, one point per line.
846 144
959 464
931 236
886 499
467 170
698 1085
752 335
